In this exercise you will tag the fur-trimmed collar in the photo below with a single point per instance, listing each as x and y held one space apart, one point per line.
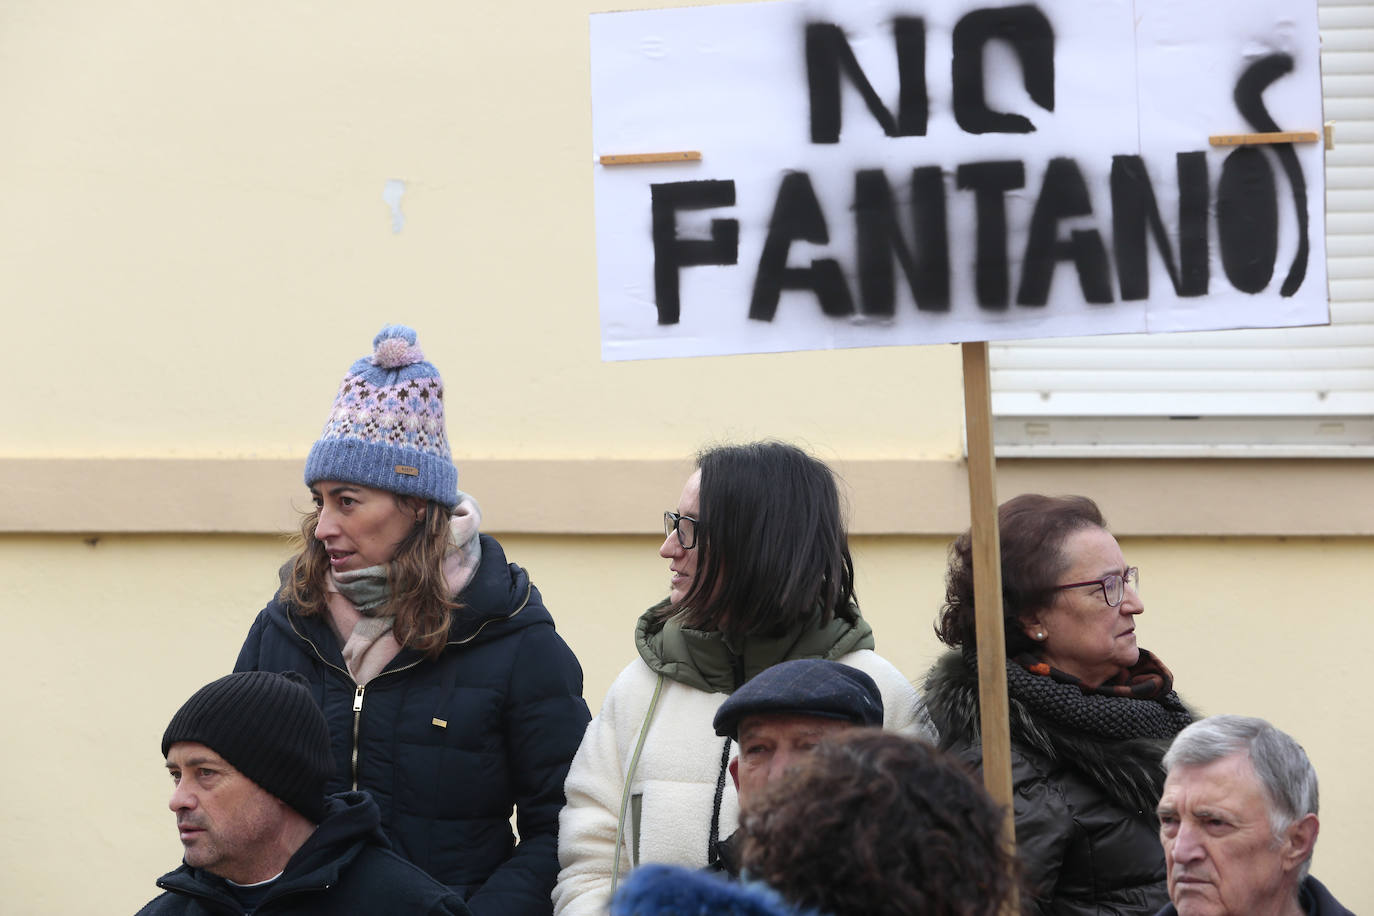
1128 771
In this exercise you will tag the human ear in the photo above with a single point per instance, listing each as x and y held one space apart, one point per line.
1034 629
1299 840
734 770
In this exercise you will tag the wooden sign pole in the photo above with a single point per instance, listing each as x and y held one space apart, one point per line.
987 583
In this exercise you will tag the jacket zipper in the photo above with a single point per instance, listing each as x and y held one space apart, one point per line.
357 718
358 689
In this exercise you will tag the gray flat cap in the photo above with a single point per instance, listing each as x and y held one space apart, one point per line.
805 686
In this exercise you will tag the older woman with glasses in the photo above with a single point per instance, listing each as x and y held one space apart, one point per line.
760 573
1092 713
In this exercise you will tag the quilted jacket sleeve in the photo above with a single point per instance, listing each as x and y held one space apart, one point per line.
587 826
546 717
1044 826
252 645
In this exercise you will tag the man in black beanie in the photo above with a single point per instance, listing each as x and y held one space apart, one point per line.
249 756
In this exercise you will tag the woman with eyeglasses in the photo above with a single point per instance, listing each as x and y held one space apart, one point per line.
759 573
1091 712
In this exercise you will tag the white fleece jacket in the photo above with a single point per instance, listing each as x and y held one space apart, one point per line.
676 779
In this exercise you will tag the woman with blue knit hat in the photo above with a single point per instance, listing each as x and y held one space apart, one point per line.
449 695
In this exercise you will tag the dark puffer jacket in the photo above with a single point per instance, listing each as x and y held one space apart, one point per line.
345 867
1085 805
448 747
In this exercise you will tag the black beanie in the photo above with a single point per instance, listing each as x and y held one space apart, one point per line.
267 727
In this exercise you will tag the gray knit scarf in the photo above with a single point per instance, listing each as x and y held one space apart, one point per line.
368 588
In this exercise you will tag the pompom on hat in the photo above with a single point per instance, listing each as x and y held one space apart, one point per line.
387 427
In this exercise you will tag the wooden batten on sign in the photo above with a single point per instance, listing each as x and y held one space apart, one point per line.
1259 139
689 155
987 587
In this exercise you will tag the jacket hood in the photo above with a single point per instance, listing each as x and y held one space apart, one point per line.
499 600
702 658
351 821
1129 771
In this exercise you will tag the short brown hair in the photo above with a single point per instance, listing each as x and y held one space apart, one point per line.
1032 530
877 823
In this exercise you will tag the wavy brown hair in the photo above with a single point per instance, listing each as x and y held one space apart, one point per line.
419 592
878 824
1032 530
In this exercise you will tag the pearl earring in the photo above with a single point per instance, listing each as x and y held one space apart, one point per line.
1039 634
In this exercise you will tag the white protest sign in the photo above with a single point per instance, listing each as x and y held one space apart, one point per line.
912 172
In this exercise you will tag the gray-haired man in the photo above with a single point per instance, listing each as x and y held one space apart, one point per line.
1238 820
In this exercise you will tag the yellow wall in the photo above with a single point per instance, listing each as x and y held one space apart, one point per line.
195 247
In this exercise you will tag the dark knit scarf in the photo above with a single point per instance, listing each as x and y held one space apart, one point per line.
1117 742
1106 713
1147 679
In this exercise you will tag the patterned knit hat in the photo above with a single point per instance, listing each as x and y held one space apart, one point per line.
387 426
267 727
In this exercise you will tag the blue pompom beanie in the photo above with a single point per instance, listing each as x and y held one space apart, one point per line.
386 430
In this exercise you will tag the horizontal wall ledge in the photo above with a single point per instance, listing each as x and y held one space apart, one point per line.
1300 498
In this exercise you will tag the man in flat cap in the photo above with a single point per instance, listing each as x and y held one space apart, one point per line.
779 717
249 755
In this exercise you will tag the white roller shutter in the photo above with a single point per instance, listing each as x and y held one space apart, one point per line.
1295 391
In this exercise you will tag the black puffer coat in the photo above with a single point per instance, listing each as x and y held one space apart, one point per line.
448 747
345 867
1085 804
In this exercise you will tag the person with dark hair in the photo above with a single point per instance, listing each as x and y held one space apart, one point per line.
448 693
249 756
874 823
869 824
760 574
1091 712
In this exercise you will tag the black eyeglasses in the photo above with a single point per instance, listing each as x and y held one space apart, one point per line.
684 525
1113 586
